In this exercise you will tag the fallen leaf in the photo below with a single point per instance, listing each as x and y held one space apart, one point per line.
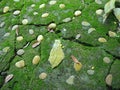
56 54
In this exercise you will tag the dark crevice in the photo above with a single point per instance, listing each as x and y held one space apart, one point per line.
79 42
116 57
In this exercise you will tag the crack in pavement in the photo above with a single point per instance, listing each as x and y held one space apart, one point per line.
80 42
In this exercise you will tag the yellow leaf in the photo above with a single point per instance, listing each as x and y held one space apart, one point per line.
77 64
56 54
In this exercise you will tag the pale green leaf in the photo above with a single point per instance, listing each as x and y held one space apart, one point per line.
117 13
56 54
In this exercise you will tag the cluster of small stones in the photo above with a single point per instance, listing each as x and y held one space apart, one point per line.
36 59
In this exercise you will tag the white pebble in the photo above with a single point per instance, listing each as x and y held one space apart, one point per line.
40 38
33 5
16 0
15 27
20 52
8 78
19 38
108 79
17 12
66 20
20 64
77 13
98 1
43 75
78 36
52 2
70 80
6 49
62 6
52 26
112 34
6 9
31 31
24 21
106 59
35 44
85 23
42 5
6 34
45 15
101 39
90 72
99 12
91 30
35 13
2 24
36 59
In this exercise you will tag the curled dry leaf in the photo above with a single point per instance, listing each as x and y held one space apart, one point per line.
56 54
77 64
8 78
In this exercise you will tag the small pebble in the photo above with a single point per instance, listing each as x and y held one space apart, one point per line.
16 0
52 26
31 31
2 24
20 64
8 78
91 30
85 23
62 6
40 38
24 21
20 52
78 36
52 2
66 20
35 13
6 9
45 15
17 12
36 59
43 75
35 44
90 72
42 5
106 59
112 34
15 27
70 80
98 1
6 49
33 5
19 38
99 12
77 13
108 79
101 39
6 34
